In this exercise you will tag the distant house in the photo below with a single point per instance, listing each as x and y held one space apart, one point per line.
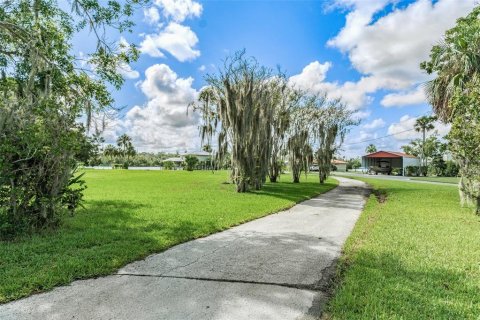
385 161
177 162
180 159
202 156
340 164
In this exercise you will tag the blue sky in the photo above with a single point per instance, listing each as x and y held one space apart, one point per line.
365 51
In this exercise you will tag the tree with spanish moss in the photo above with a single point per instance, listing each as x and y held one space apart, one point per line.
238 107
287 100
329 122
300 153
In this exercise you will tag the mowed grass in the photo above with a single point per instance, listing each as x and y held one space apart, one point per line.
414 256
453 180
131 214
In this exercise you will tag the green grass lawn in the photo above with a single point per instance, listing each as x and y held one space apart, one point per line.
414 256
131 214
454 180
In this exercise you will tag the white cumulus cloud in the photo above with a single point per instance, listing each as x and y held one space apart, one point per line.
375 124
123 68
151 15
388 50
401 99
179 10
127 72
404 129
162 123
176 39
355 94
394 45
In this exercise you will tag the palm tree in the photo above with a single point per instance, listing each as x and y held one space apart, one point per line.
123 142
370 149
453 94
125 148
130 152
110 152
423 125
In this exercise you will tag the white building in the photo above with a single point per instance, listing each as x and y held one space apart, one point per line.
387 160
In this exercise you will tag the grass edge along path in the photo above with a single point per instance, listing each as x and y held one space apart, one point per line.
414 254
132 214
447 180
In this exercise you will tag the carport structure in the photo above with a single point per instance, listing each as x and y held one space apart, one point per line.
387 160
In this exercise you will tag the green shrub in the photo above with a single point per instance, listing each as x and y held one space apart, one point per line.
191 162
397 171
412 170
451 169
168 165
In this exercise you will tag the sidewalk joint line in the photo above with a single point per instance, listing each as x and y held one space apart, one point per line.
310 287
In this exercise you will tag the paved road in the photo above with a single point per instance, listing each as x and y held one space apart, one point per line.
277 267
387 177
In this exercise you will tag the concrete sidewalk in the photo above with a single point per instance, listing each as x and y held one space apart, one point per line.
277 267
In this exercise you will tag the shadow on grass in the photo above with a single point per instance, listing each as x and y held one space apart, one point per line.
97 241
105 236
120 218
295 192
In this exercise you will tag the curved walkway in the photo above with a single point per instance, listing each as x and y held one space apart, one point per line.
276 267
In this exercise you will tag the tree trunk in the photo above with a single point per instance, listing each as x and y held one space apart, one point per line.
477 206
322 177
242 186
422 162
296 178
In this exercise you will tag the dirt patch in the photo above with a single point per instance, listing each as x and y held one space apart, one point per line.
381 195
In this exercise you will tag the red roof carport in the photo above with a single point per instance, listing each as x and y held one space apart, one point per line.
388 160
388 154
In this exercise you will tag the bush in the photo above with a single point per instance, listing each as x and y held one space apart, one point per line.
412 170
168 165
422 170
437 166
354 163
397 171
36 188
451 169
191 162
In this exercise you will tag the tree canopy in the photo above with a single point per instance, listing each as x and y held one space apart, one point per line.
371 148
259 119
44 90
454 94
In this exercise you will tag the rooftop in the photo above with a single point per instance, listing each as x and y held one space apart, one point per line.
389 154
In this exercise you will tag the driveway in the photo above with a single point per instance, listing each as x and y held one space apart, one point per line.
387 177
277 267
